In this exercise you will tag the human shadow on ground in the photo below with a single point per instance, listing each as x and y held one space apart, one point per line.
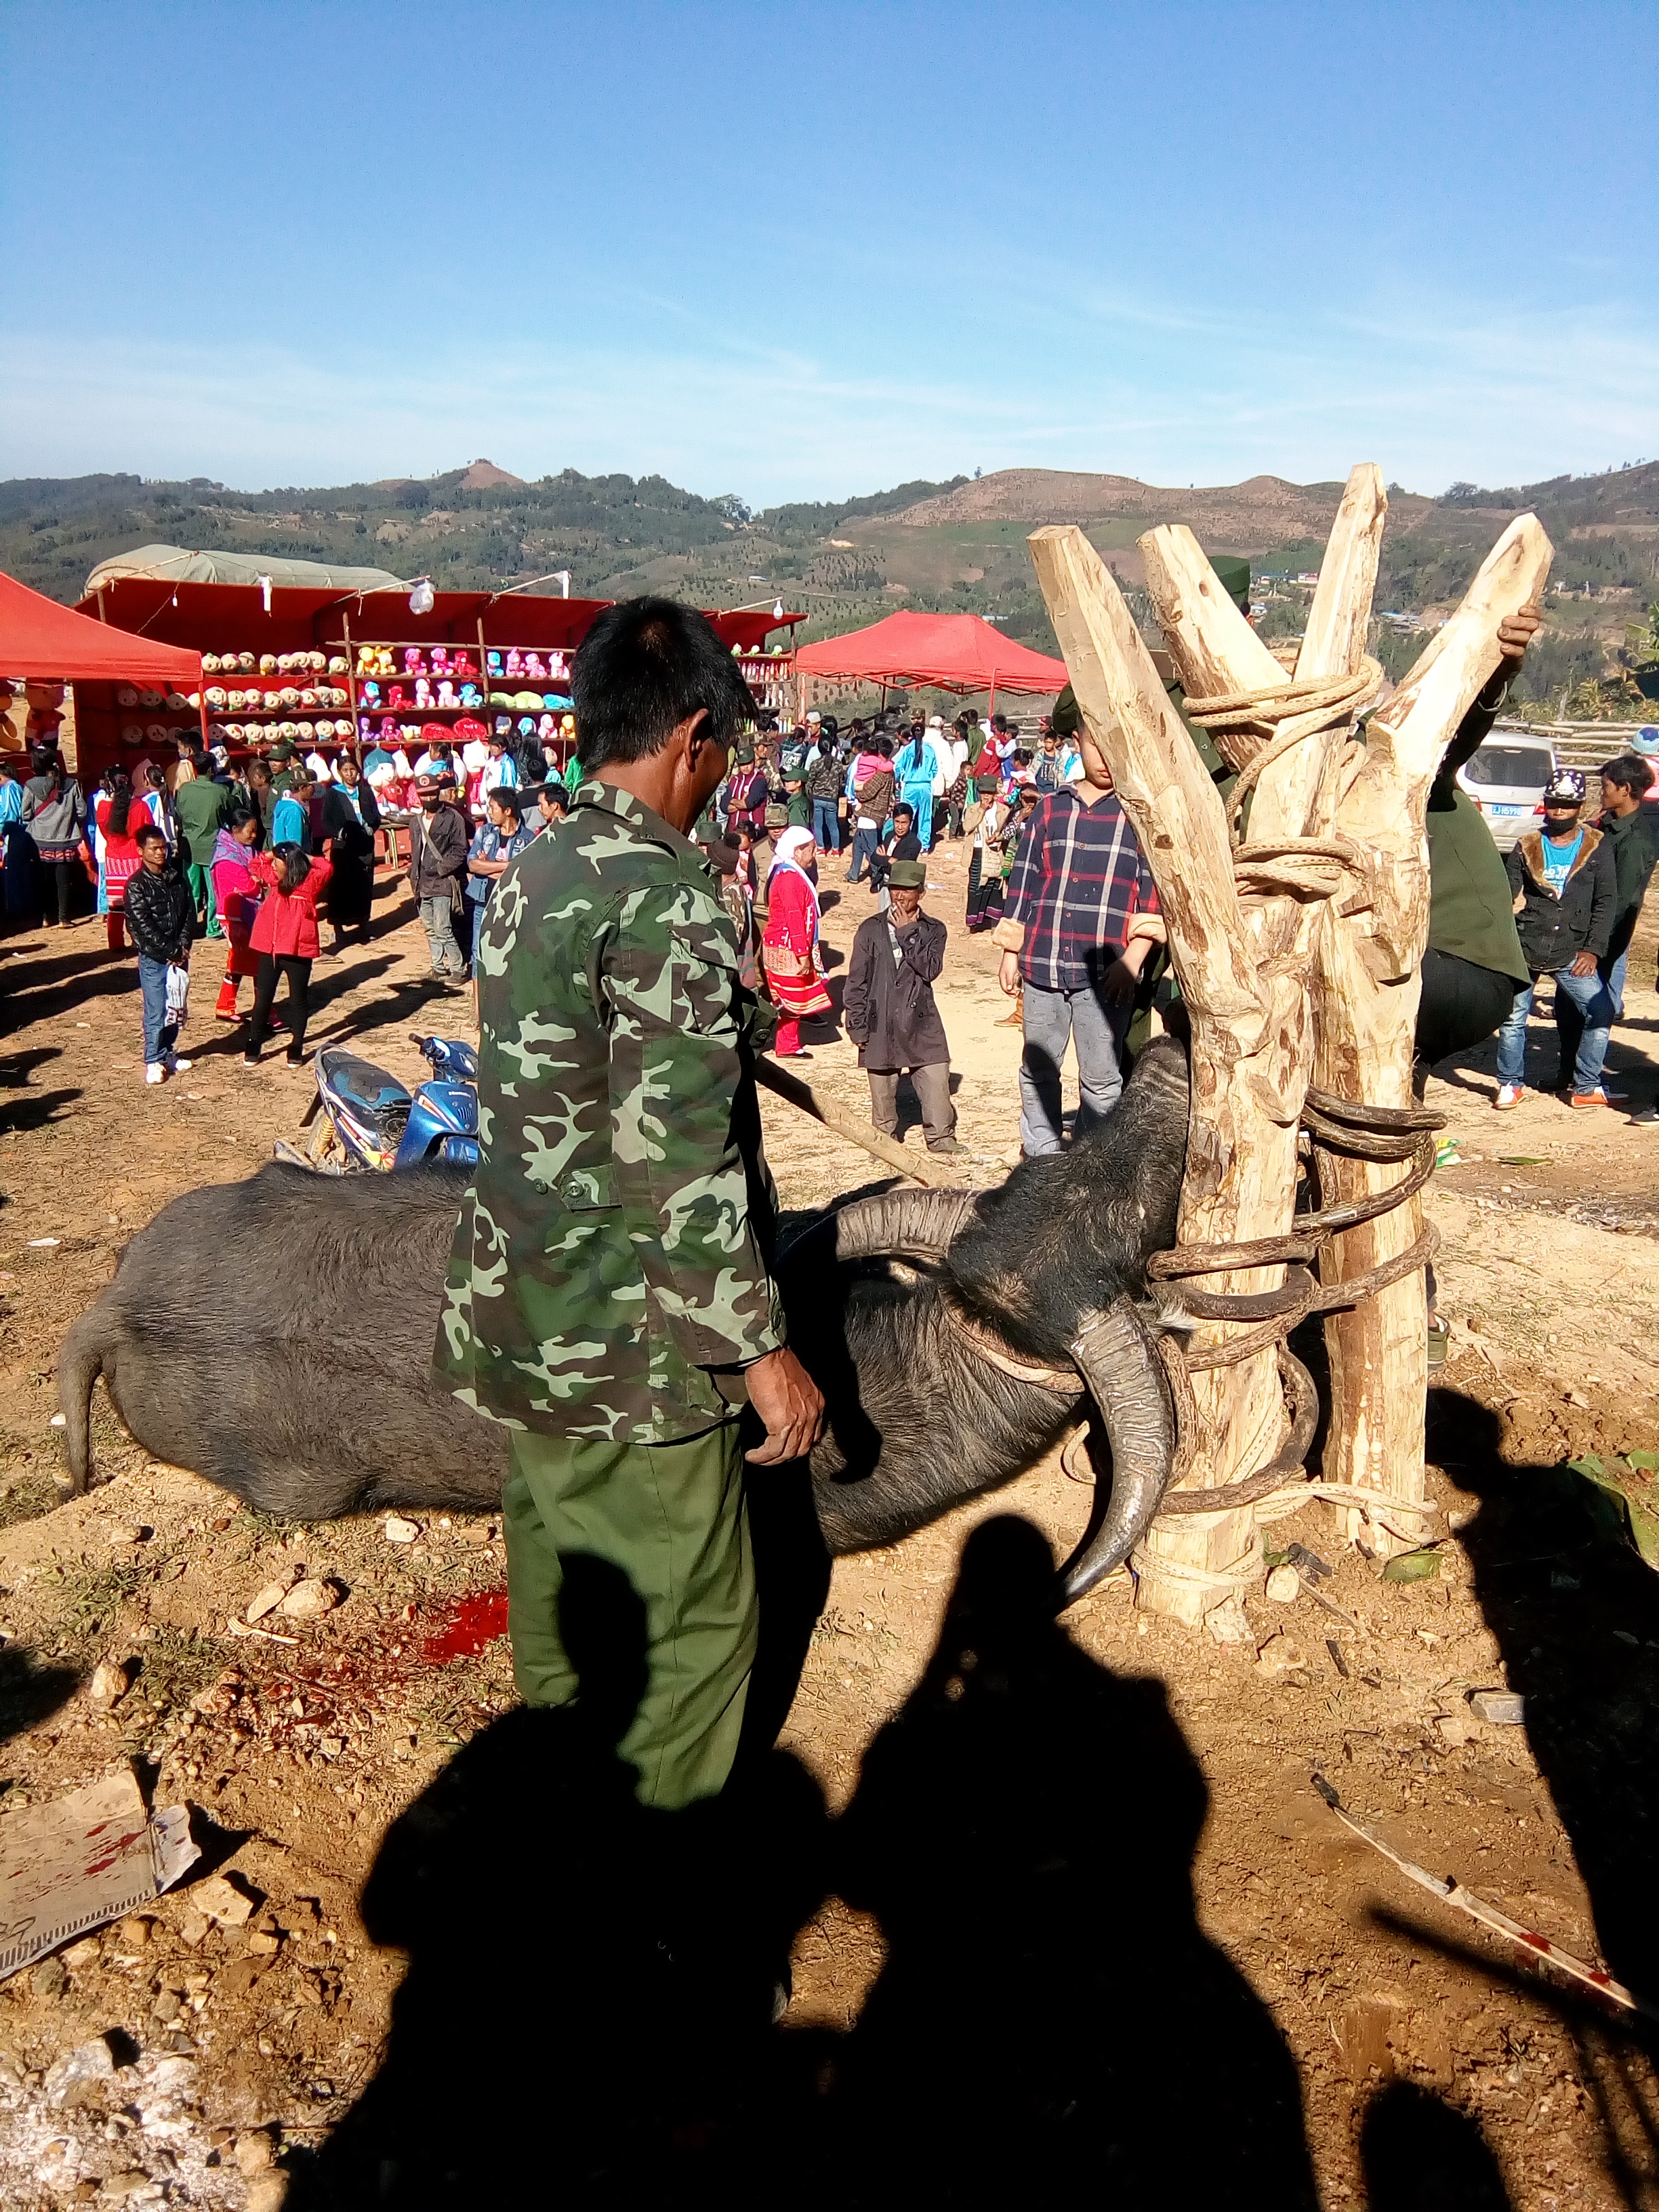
1421 2156
1576 1614
31 1689
587 2013
1049 2007
26 1108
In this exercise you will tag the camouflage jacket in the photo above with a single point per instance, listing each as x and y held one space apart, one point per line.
612 1248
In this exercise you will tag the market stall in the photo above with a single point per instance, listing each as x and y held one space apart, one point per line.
953 652
326 667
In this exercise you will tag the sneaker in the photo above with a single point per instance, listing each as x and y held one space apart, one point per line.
1509 1094
181 1068
1582 1100
155 1072
1647 1117
249 1059
294 1059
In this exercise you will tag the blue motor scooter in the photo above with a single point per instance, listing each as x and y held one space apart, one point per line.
369 1120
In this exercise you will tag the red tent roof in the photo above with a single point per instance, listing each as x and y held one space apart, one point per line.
38 638
956 652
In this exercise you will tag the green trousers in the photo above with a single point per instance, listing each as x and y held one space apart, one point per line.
200 880
671 1519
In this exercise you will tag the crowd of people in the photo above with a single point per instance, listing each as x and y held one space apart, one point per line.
264 855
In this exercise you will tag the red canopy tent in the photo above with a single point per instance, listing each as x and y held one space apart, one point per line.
954 653
38 638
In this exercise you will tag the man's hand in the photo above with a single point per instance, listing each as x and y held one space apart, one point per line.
790 1403
1008 974
1117 985
1583 965
1517 632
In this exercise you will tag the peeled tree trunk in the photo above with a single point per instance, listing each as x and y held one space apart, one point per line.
1366 994
1298 954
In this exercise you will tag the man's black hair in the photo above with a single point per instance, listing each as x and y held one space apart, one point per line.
885 747
1630 772
902 809
142 836
999 722
506 797
647 666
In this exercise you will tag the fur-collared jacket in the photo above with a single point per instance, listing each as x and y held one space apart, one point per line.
1554 931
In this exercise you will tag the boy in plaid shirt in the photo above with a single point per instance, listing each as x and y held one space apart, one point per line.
1081 918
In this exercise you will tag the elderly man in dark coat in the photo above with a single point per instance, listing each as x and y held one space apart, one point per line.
889 1013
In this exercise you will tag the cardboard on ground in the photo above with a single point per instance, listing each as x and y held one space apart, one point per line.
86 1859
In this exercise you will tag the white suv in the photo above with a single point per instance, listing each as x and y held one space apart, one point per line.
1506 779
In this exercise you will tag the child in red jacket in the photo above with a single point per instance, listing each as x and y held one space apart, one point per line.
284 936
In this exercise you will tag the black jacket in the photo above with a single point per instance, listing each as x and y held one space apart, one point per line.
438 847
1630 838
161 912
1554 931
888 1009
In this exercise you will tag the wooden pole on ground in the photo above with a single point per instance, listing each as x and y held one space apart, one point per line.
1366 998
917 1165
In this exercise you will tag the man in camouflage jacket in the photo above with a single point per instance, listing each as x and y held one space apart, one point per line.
608 1296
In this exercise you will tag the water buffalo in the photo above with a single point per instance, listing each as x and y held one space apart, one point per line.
273 1335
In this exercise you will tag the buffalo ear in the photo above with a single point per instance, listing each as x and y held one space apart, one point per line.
1114 1357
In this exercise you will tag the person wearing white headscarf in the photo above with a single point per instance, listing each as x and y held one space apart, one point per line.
789 947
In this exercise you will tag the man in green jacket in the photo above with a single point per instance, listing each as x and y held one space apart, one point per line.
608 1295
201 808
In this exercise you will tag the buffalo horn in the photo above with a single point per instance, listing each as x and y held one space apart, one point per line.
920 1222
1114 1357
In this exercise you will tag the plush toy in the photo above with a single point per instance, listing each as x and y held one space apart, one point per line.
558 668
514 661
546 727
533 669
422 694
526 726
503 725
396 697
307 730
210 665
267 663
413 663
388 730
371 696
438 660
446 693
471 696
215 698
462 664
337 664
493 664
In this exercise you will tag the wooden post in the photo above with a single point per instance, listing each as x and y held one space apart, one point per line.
1367 995
1250 1041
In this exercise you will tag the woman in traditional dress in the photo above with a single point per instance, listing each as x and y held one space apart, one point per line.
789 948
238 898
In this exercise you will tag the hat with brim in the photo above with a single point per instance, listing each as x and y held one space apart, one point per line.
724 855
744 756
907 876
282 750
429 786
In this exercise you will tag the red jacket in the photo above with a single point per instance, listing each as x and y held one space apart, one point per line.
286 924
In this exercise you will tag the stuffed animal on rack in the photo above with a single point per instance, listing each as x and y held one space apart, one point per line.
546 726
514 661
438 660
267 663
370 695
422 693
533 669
462 664
471 696
337 664
446 693
414 665
492 664
397 697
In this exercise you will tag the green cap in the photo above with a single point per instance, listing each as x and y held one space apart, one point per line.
908 876
1234 577
744 756
1067 718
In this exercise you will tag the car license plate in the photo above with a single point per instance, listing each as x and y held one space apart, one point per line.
1509 810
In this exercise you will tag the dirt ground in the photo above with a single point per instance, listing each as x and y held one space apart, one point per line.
1208 1923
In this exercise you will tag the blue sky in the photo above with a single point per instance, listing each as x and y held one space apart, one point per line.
804 252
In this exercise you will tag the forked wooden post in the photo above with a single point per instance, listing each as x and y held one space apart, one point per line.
1366 997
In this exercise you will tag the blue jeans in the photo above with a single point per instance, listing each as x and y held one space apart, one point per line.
1050 1019
865 843
160 1034
826 826
1585 1006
